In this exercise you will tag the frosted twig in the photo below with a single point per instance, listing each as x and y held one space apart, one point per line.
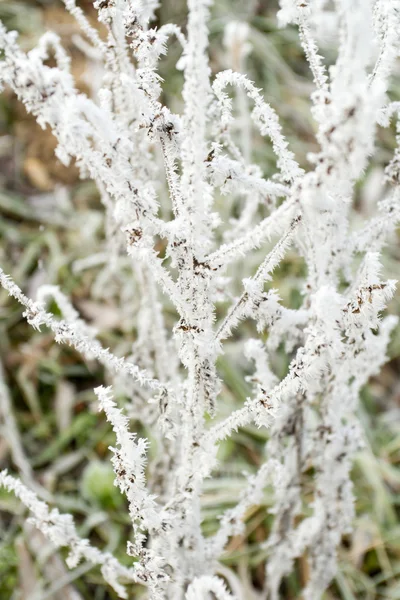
60 530
68 333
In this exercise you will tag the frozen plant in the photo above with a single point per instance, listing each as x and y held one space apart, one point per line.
335 341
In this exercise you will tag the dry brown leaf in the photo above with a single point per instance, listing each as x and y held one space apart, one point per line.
101 316
38 175
64 404
26 570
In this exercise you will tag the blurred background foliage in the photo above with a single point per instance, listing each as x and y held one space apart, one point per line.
49 220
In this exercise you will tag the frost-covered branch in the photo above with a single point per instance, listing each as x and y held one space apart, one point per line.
61 531
70 333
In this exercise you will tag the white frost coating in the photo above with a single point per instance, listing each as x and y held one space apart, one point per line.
71 333
60 530
334 341
200 588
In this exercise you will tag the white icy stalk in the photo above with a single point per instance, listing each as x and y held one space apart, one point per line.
307 365
201 587
60 530
251 297
196 95
236 41
238 178
71 334
335 438
152 337
84 24
129 461
378 230
386 23
67 310
231 522
12 436
274 224
263 116
263 375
